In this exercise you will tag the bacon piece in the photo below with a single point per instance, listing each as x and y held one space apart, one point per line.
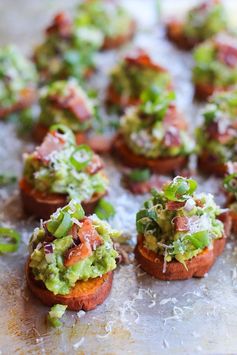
52 142
172 138
181 224
226 47
174 205
94 165
61 24
143 187
74 103
88 234
78 253
141 58
174 118
215 133
100 144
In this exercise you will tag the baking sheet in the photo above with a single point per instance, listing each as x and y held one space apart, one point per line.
142 315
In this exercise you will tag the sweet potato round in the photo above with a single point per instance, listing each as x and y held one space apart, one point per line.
209 166
174 32
115 42
43 205
28 97
85 295
165 165
197 266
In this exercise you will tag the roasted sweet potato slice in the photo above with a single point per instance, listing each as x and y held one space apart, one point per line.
42 205
175 33
208 165
85 295
198 266
160 165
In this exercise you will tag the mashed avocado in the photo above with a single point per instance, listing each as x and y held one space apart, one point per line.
217 136
111 19
16 75
47 259
146 132
211 64
60 166
178 223
205 20
130 81
59 102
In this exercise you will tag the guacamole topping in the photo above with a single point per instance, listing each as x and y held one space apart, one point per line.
67 51
110 18
17 75
55 314
135 74
65 102
151 129
205 20
216 61
179 223
70 247
217 136
60 166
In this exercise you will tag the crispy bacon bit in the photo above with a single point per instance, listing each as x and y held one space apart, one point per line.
141 58
174 205
74 103
144 187
172 137
61 24
94 165
181 224
174 118
78 253
88 234
52 142
199 203
100 144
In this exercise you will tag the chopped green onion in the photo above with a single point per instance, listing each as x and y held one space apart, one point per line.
140 175
64 226
104 209
199 240
230 183
12 240
81 157
64 130
180 189
6 179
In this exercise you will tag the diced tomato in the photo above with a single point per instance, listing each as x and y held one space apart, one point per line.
52 142
88 234
181 224
174 205
94 165
78 253
61 24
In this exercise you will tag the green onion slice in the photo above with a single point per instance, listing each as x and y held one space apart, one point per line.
12 240
104 209
81 157
230 183
140 175
64 226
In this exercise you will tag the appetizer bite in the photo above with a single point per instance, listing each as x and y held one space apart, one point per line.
180 233
201 22
18 81
72 259
230 185
112 20
67 51
64 102
58 171
216 138
132 76
153 134
215 65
